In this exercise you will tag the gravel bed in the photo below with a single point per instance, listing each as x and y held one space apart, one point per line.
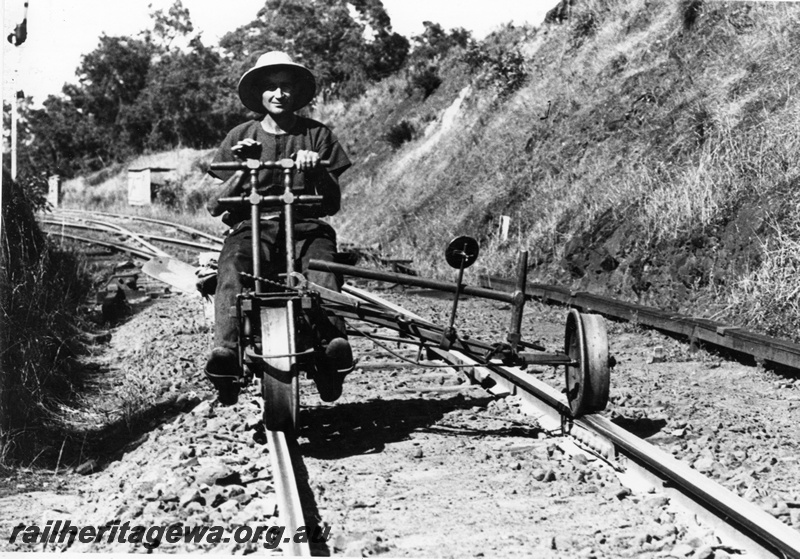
414 462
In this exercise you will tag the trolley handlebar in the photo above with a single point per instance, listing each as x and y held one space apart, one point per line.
256 165
263 201
272 201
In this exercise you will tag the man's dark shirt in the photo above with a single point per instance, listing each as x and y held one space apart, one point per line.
306 134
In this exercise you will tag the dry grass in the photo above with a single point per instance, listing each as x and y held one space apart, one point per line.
188 188
41 291
768 298
672 127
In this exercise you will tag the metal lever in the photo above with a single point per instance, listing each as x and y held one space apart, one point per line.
518 302
449 334
461 253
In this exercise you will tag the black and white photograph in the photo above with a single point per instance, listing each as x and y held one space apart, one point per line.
400 278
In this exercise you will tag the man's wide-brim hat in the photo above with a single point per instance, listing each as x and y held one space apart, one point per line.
251 84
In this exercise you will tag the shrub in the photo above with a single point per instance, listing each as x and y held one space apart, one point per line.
41 290
170 194
585 26
426 80
768 299
196 200
691 10
501 68
399 134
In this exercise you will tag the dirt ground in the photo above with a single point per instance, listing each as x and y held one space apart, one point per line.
413 461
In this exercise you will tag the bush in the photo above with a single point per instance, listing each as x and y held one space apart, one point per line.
691 10
41 290
170 194
501 68
196 200
399 134
767 299
585 26
426 80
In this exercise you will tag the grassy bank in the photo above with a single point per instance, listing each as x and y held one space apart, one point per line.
651 153
42 288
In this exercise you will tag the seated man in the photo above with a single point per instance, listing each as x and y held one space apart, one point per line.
275 88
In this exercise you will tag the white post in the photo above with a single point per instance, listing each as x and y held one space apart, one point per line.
17 38
505 223
54 190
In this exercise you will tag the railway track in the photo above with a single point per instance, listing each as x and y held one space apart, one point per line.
132 234
745 525
138 244
169 225
764 349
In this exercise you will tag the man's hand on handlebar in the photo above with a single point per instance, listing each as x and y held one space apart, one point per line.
247 149
306 160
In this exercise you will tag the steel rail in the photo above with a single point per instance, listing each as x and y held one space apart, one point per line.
132 234
753 527
758 346
185 228
290 509
83 226
108 227
157 238
180 242
119 247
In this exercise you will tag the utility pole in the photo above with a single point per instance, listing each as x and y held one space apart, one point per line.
16 38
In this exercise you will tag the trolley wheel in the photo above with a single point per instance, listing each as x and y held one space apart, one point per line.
279 384
586 343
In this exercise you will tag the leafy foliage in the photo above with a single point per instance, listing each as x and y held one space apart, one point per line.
425 79
134 94
165 88
181 106
345 50
170 194
430 48
399 134
502 68
41 289
435 42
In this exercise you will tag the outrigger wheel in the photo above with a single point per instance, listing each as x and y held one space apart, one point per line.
586 343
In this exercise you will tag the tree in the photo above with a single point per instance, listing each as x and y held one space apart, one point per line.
345 48
132 94
434 42
167 27
111 76
165 88
68 140
181 104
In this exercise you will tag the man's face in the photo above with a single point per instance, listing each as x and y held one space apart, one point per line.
279 90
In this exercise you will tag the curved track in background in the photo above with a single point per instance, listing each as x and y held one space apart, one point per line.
184 228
